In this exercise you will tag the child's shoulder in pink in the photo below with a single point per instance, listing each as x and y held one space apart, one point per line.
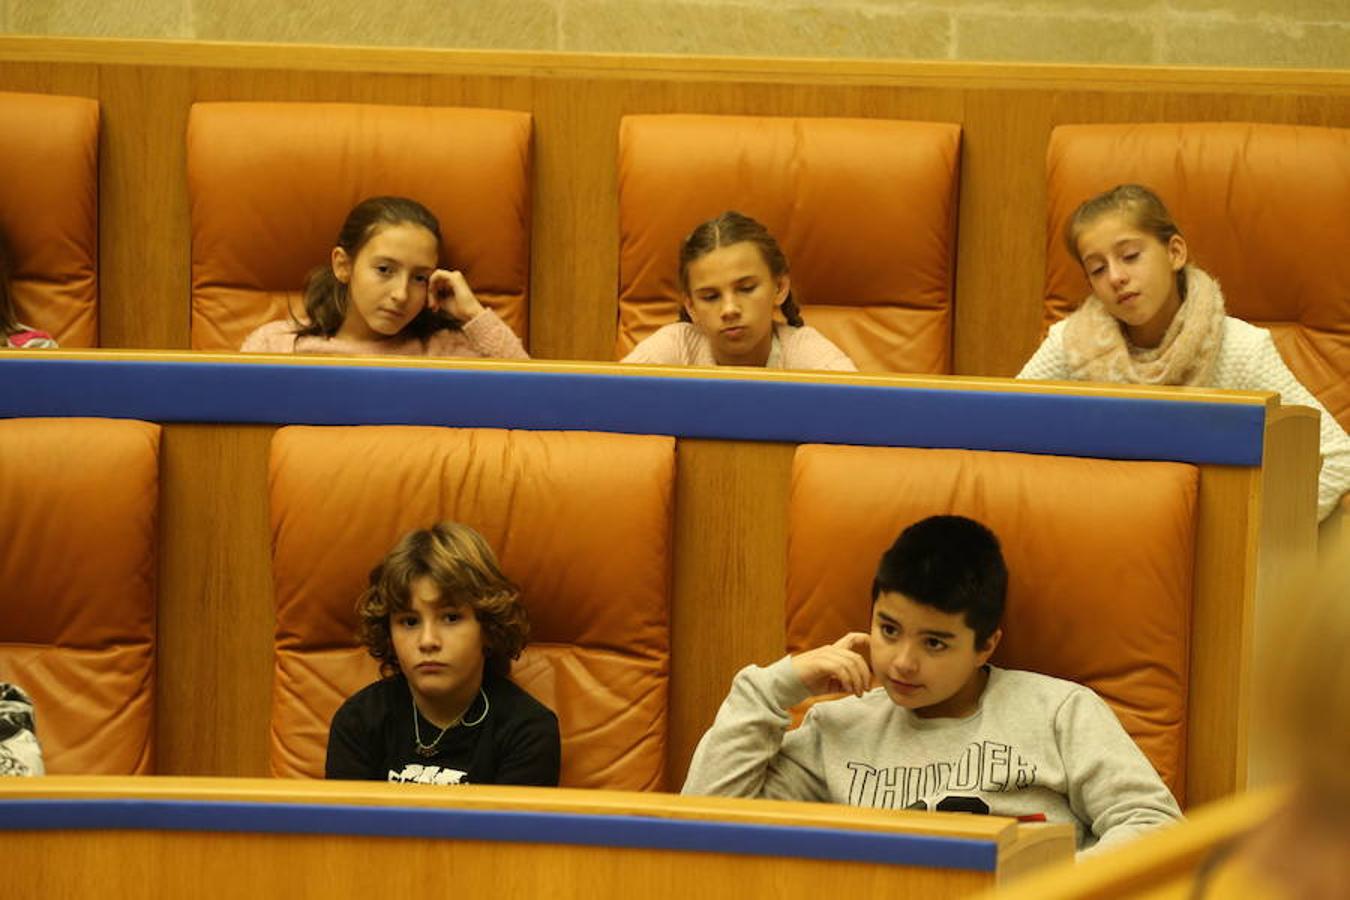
274 337
806 348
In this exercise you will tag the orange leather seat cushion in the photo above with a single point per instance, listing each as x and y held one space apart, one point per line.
865 210
580 521
271 183
49 212
79 500
1100 556
1264 208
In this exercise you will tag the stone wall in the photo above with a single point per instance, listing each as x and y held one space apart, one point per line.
1292 34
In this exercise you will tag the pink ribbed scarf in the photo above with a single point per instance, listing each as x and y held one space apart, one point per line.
1097 349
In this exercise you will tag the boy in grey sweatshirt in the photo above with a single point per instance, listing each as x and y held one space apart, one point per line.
945 731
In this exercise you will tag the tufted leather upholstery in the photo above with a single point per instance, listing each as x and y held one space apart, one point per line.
1099 593
271 183
78 516
581 521
1264 209
49 212
865 210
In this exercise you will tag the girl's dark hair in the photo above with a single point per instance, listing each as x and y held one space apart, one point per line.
464 569
1143 208
730 228
326 297
9 318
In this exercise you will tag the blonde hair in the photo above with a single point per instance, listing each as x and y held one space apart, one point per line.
463 567
1139 205
1309 700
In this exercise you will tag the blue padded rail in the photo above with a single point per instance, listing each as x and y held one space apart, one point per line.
729 409
516 827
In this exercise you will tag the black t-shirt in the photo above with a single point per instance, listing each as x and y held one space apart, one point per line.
371 739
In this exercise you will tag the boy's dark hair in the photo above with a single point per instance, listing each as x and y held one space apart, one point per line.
465 570
729 228
326 297
950 563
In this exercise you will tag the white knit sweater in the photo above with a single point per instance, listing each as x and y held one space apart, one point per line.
1247 361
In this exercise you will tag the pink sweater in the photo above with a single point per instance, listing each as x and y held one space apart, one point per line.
683 344
485 335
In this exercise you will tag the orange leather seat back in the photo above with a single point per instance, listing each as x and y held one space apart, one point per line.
1264 209
1099 592
79 501
580 521
271 183
865 210
49 212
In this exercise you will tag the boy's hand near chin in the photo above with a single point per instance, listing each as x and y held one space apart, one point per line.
836 668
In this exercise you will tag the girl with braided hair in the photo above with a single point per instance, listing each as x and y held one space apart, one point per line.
733 278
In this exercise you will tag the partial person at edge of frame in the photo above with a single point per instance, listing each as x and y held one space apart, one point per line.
15 335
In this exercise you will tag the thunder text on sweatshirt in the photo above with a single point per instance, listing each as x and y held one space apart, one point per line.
1036 744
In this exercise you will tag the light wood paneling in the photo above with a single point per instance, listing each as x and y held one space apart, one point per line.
216 619
113 865
1001 227
48 78
1257 538
1007 112
1333 535
143 209
503 798
124 864
730 578
61 863
1286 556
574 272
1225 576
1155 866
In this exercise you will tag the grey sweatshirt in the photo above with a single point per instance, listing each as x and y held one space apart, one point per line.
1035 745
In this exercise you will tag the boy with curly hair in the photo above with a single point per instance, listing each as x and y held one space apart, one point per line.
444 624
